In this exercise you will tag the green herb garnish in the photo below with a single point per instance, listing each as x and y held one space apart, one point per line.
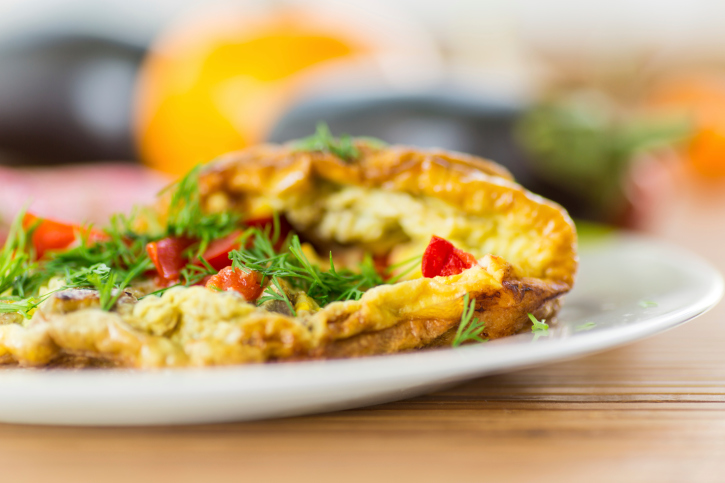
279 294
186 217
103 278
584 142
647 304
538 325
295 268
469 329
16 258
23 306
323 140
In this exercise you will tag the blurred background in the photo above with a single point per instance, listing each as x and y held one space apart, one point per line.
605 107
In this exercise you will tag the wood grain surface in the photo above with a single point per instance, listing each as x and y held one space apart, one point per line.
653 411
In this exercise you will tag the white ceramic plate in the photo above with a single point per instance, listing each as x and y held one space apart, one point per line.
604 310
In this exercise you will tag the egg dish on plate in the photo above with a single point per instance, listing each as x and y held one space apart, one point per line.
319 248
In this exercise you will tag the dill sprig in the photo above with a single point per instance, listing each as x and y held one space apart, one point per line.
323 140
16 258
21 305
122 251
469 329
279 294
187 218
406 266
538 325
258 254
103 278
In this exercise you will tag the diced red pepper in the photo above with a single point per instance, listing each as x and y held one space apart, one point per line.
441 258
167 255
246 283
55 235
217 254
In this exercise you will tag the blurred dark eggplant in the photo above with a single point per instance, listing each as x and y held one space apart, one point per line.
66 98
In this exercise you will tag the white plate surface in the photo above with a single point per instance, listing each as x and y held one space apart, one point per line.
615 276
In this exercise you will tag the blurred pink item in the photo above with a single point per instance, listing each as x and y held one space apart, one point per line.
650 182
77 193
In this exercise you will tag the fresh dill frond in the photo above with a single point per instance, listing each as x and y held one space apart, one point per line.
21 305
121 250
538 325
103 278
469 329
104 283
294 267
647 304
279 294
16 258
323 140
407 267
87 276
187 218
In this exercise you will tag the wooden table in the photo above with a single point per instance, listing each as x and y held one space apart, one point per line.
653 411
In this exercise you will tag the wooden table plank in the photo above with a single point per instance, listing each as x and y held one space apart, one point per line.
650 411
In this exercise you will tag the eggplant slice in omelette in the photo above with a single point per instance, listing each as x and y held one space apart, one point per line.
320 248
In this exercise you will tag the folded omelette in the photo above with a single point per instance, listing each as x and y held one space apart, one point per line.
319 248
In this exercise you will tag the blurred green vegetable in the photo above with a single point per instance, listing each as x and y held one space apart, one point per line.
583 144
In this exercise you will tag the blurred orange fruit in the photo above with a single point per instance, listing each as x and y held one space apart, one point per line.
219 82
702 100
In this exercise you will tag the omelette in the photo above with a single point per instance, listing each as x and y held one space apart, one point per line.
318 248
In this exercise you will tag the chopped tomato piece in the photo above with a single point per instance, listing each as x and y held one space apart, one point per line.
217 254
55 235
441 258
167 255
246 283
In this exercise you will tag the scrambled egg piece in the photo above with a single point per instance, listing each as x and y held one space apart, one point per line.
383 220
194 311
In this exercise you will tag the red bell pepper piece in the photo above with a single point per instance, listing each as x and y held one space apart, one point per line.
441 258
217 254
168 257
55 235
167 254
246 283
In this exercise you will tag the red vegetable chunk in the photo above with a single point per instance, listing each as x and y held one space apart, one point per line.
441 258
168 256
246 283
217 254
55 235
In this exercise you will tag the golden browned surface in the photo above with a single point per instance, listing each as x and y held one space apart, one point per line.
537 235
526 248
653 411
